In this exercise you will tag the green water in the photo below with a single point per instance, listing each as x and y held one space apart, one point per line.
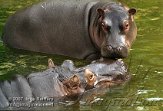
145 60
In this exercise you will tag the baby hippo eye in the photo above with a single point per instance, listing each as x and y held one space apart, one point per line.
90 77
105 27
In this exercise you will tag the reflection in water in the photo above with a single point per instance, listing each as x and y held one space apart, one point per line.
146 53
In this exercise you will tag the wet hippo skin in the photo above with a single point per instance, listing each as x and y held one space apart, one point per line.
44 84
60 81
84 29
105 70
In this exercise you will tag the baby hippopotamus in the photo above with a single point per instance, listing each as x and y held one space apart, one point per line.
55 82
61 81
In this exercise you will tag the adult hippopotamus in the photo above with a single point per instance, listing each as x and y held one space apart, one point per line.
84 29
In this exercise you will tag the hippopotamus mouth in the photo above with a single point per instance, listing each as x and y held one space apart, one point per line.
114 53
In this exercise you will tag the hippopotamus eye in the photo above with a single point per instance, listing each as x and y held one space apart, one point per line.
91 76
126 25
105 27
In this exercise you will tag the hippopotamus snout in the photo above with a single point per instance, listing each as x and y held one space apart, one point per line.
116 52
116 47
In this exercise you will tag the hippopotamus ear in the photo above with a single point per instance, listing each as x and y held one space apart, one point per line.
132 11
100 11
50 63
75 79
89 76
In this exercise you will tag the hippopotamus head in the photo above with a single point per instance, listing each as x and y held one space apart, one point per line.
106 73
106 80
71 85
115 30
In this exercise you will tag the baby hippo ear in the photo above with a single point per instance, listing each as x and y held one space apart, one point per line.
89 75
75 79
50 63
132 11
100 11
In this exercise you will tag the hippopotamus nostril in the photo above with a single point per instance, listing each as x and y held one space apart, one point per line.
110 48
119 49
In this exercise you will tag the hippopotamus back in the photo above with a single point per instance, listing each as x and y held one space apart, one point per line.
49 25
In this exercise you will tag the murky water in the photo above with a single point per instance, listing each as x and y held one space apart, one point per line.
145 90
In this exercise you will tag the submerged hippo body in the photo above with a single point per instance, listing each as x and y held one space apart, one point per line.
84 29
36 88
